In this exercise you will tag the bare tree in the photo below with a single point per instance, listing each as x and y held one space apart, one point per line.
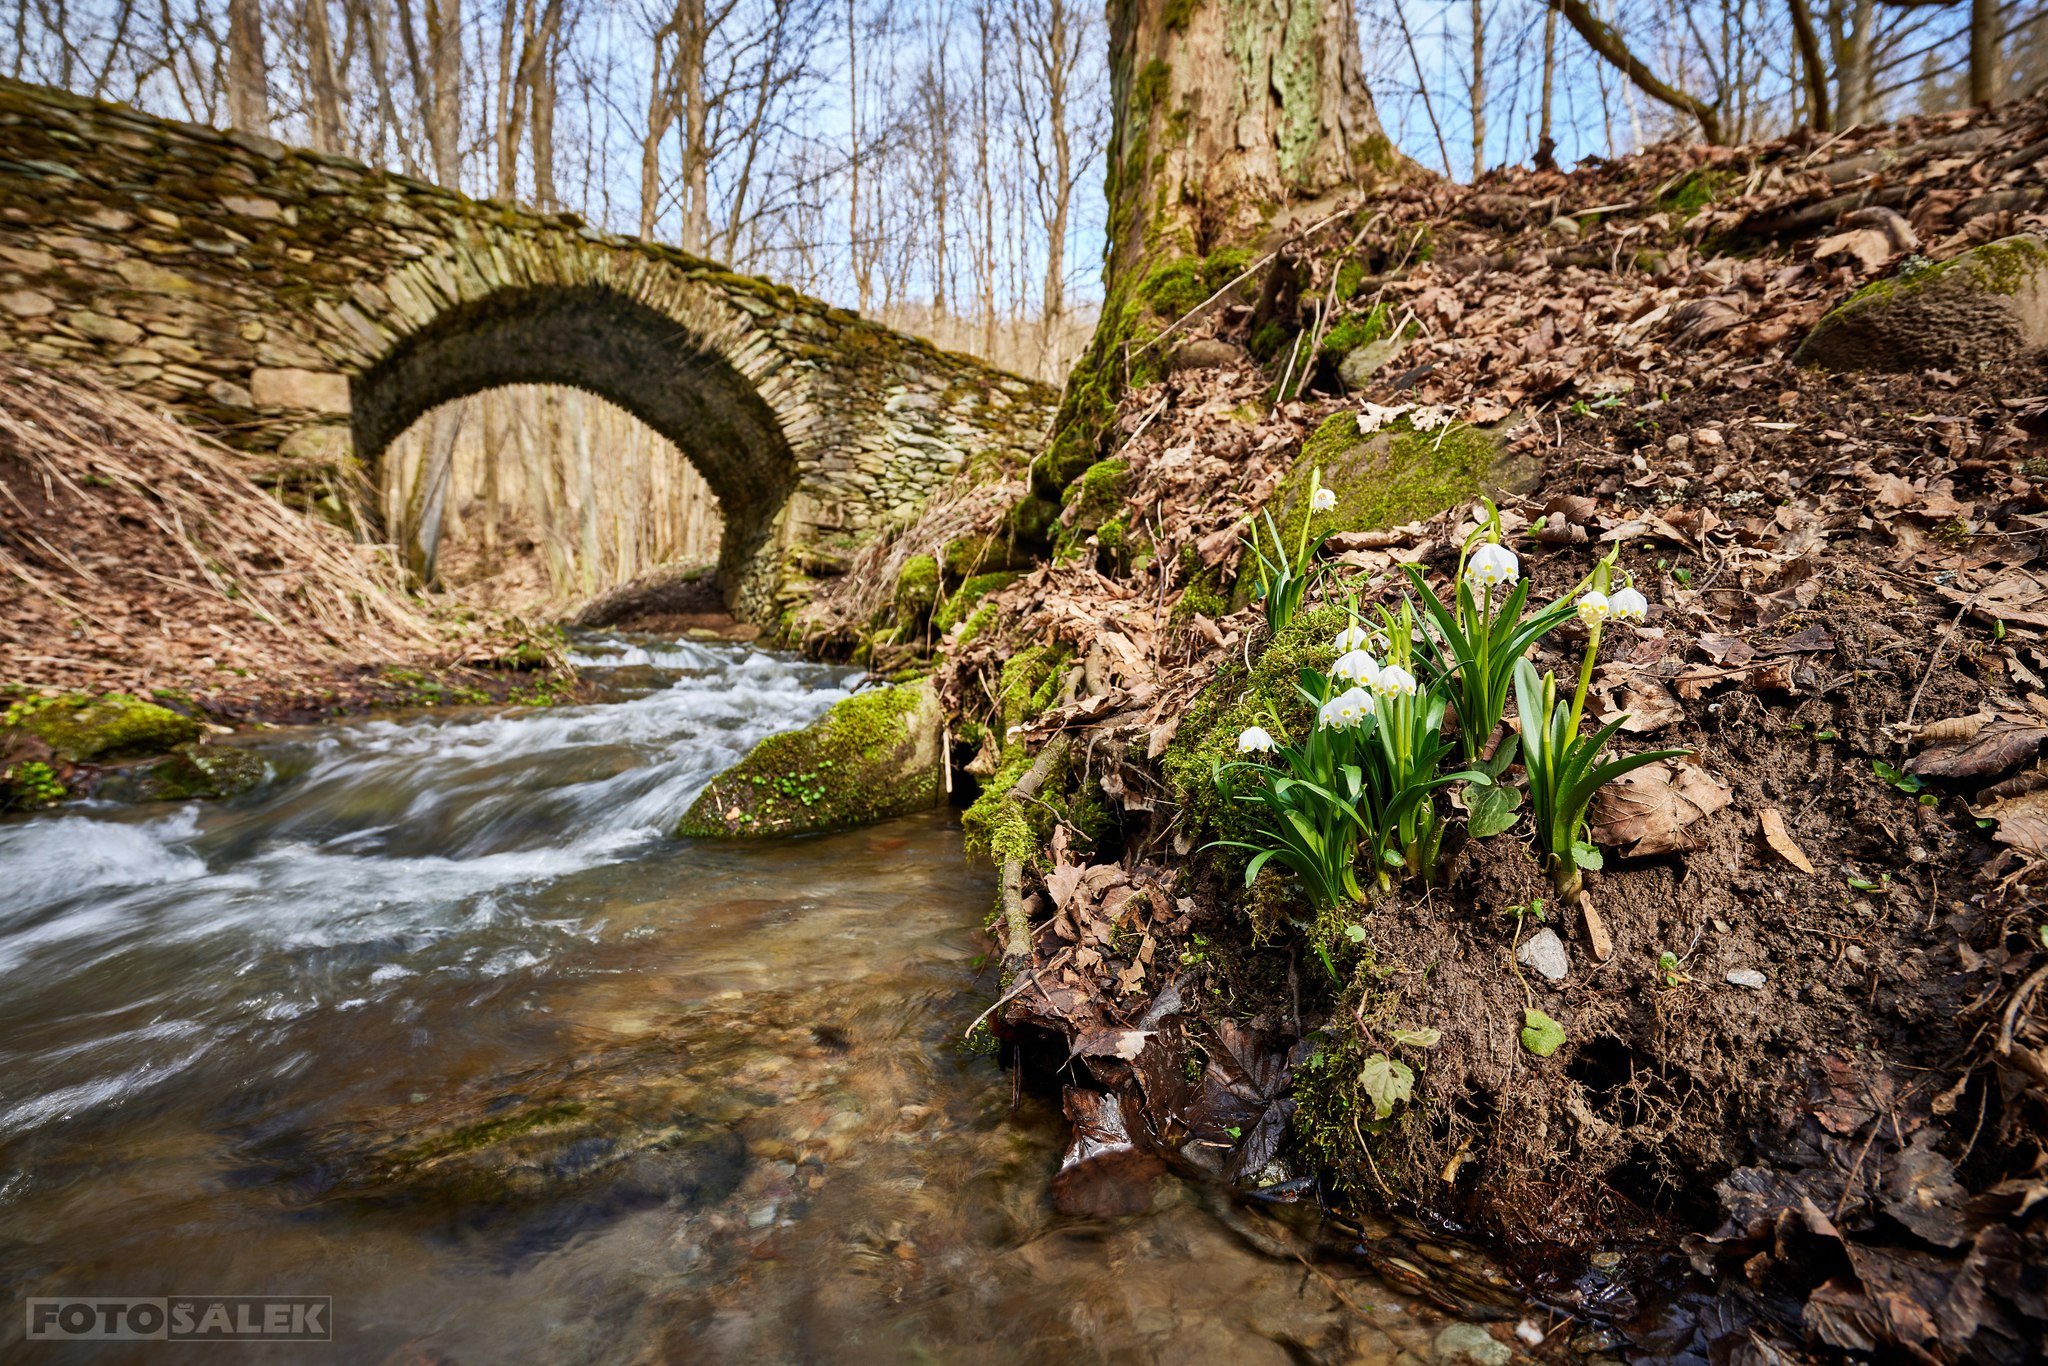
248 93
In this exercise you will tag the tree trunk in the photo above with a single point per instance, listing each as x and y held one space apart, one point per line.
444 59
693 36
1229 119
1984 52
1546 145
1478 89
324 93
248 96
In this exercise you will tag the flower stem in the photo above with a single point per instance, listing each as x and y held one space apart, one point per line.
1571 734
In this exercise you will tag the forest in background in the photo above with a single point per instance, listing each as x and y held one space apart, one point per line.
935 164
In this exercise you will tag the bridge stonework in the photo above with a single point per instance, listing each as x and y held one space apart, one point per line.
306 309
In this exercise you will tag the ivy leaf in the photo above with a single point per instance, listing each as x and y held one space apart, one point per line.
1587 856
1490 810
1541 1035
1387 1082
1417 1038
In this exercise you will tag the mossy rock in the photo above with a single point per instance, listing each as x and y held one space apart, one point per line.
1095 498
990 553
82 728
1988 306
872 757
968 596
1390 477
917 588
191 772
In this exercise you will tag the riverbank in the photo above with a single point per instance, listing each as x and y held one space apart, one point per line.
1810 1059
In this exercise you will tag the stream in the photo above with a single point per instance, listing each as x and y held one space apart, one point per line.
441 1024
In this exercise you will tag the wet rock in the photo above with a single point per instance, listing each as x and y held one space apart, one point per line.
81 727
872 757
1746 977
1988 306
1361 363
1469 1343
192 772
1545 954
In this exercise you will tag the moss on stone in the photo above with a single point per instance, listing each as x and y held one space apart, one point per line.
1270 340
917 588
968 596
1350 275
873 756
80 727
1096 497
982 618
1030 682
193 772
1354 330
1392 477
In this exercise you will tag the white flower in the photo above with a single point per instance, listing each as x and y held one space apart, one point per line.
1352 637
1255 740
1493 563
1395 681
1322 500
1346 710
1594 608
1357 667
1628 605
1429 417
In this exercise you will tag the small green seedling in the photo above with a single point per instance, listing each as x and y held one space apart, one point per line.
1541 1035
1667 964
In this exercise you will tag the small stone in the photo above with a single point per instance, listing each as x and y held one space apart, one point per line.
1545 954
1204 353
110 219
1468 1342
228 394
1678 444
26 303
1531 1335
253 206
313 390
1708 436
99 327
1746 977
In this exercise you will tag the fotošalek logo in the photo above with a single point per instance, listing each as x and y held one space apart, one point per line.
182 1318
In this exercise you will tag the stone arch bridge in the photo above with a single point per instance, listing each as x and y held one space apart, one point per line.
305 308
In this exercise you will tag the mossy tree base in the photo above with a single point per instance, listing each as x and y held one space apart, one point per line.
872 757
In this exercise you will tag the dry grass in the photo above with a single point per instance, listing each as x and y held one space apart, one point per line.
141 553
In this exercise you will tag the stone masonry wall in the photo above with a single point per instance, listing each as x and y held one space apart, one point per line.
304 308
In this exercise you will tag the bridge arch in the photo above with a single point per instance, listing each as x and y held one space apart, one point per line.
594 338
304 308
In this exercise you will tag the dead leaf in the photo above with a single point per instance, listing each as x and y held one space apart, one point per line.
1780 839
1993 752
1646 812
1867 248
2022 823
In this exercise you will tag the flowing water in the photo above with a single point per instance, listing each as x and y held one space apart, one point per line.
441 1024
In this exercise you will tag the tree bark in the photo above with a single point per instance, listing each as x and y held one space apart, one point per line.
248 95
1546 145
1812 67
1230 119
324 94
693 37
1984 53
1478 88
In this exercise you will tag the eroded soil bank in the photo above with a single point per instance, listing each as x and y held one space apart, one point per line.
1812 1071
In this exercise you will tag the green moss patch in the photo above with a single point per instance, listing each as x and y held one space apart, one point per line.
82 728
873 756
917 588
968 596
1392 477
189 773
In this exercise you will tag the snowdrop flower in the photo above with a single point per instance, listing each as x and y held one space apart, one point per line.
1594 608
1491 564
1628 605
1352 637
1395 681
1322 500
1356 667
1347 710
1255 740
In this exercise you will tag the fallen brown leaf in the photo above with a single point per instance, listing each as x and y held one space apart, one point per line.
1646 812
1780 839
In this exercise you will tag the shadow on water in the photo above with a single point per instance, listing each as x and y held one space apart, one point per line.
442 1025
